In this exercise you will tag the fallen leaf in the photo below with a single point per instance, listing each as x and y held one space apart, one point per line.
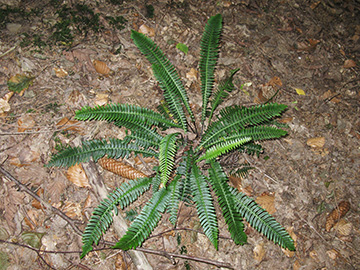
300 92
60 72
343 227
333 254
349 63
331 96
192 74
32 238
287 252
72 210
35 203
146 30
25 122
267 202
4 102
308 46
101 67
66 125
182 47
259 252
77 176
317 142
101 99
19 83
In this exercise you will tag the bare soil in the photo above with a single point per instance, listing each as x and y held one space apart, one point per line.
305 51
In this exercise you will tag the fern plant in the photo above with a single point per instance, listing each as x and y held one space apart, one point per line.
187 151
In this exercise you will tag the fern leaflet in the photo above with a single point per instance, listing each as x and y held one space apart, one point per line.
232 217
102 216
204 205
167 153
145 222
209 52
261 220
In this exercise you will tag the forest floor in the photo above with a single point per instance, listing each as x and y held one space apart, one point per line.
308 52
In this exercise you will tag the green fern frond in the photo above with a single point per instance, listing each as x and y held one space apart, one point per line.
232 217
141 140
184 169
223 147
237 118
145 222
156 180
164 109
167 153
257 133
261 220
124 113
209 52
148 132
224 88
204 205
96 149
173 206
101 218
164 72
251 148
242 171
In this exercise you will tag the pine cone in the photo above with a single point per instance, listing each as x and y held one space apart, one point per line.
335 215
120 168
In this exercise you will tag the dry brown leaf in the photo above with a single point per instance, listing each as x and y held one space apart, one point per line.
339 212
192 74
60 72
35 203
287 252
12 200
76 99
331 96
349 63
4 102
315 4
314 255
55 187
259 252
77 175
236 182
275 81
25 122
343 227
267 202
101 99
72 210
317 142
297 265
101 67
307 46
120 168
333 254
87 202
33 221
66 125
146 30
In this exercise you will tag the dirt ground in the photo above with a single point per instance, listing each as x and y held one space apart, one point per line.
305 51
